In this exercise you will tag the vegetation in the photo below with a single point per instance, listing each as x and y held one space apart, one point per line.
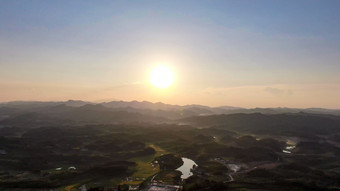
233 152
169 162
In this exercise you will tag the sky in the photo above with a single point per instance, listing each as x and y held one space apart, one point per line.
246 53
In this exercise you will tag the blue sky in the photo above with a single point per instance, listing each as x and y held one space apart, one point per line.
223 52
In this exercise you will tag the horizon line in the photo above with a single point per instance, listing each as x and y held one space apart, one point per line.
193 104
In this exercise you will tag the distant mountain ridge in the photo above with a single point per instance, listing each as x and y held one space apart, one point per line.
142 106
302 124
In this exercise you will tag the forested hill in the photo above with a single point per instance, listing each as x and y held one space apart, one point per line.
301 123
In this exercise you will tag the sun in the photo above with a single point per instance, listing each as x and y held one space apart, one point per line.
162 77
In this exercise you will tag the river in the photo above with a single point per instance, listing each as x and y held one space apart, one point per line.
186 168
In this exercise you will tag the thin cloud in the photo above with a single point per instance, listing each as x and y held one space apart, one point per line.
278 92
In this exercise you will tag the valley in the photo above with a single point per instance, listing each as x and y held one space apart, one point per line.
230 151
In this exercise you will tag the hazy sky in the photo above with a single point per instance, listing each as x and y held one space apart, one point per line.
240 53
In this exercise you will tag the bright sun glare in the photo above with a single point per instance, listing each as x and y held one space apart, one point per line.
162 77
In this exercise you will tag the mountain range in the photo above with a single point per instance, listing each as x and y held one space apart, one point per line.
173 111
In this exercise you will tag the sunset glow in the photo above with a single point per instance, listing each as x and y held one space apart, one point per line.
207 52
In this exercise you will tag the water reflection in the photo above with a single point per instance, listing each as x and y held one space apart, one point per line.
186 168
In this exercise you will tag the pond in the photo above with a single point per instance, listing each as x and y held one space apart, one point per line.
186 168
234 167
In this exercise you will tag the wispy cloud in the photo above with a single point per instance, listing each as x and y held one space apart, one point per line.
278 92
